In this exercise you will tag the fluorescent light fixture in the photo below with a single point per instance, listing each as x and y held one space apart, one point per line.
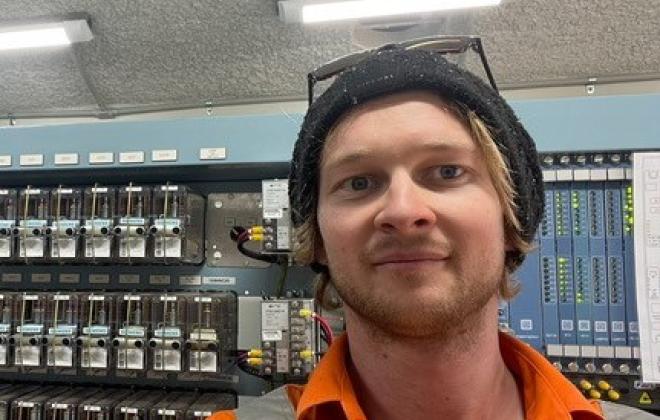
296 11
49 34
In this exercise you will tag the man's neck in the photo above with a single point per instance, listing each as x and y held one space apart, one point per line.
461 378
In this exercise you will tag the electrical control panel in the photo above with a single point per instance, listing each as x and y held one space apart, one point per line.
288 337
276 215
170 285
130 224
584 261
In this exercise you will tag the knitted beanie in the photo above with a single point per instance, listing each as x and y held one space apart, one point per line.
393 70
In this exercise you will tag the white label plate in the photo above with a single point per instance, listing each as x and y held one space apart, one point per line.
168 155
35 159
131 157
99 158
66 158
212 153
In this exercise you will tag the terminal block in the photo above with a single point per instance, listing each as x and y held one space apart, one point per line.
137 406
28 339
276 215
8 210
66 405
32 406
62 324
96 315
100 406
132 322
168 314
6 326
66 219
134 207
97 230
32 229
11 393
178 225
289 337
211 320
208 404
173 406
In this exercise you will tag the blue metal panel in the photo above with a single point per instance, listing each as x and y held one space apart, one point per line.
581 280
549 269
592 123
563 224
525 309
246 139
598 268
615 266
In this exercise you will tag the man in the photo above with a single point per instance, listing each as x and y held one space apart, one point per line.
416 194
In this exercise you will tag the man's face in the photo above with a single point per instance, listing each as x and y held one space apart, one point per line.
411 226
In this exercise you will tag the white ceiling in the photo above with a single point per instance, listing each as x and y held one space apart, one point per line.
170 54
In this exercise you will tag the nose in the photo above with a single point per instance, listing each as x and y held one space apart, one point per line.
406 207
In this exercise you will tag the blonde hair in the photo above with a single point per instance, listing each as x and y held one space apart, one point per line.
308 236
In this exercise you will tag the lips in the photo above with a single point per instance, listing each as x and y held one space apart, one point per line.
409 258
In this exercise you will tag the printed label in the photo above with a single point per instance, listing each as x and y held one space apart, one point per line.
170 332
219 280
96 330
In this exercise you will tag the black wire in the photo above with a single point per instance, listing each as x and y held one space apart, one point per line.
250 370
269 258
324 336
256 255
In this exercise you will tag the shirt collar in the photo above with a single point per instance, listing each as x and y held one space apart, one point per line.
547 394
330 383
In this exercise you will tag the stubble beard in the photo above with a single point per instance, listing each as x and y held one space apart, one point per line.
458 303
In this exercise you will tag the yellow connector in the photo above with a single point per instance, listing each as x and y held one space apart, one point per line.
255 361
257 230
604 385
257 237
585 385
305 313
613 395
594 394
255 353
306 354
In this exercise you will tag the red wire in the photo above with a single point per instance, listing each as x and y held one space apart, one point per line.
243 237
325 326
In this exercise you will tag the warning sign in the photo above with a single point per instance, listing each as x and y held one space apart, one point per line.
645 398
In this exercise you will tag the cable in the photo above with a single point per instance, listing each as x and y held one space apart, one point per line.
325 327
324 336
280 287
250 370
241 236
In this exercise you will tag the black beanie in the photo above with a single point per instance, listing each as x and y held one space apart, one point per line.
394 70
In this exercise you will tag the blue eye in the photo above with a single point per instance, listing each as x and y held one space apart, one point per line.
450 171
359 183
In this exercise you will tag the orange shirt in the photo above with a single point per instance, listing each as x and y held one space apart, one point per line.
547 394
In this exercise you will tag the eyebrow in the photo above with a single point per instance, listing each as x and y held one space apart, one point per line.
431 147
